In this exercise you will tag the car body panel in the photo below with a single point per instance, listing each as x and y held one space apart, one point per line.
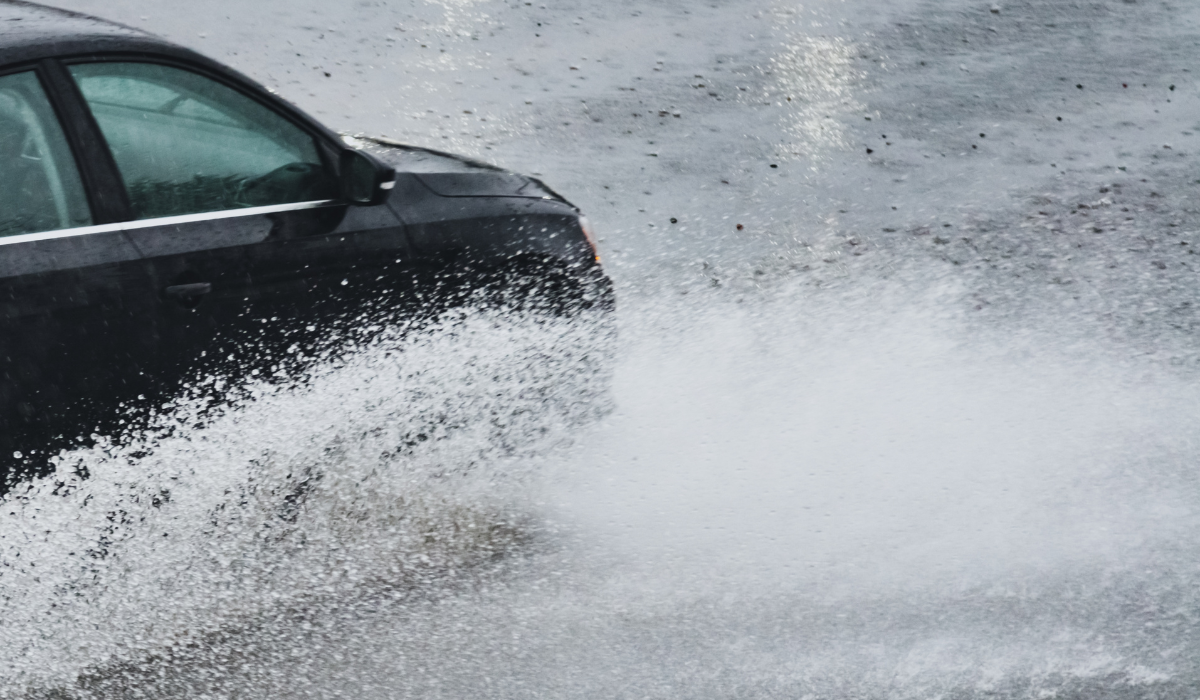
77 321
124 312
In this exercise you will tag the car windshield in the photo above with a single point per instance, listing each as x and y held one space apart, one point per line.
186 144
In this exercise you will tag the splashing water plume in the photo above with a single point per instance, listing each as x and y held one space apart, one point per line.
935 511
397 463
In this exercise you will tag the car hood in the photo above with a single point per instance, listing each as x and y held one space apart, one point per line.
451 175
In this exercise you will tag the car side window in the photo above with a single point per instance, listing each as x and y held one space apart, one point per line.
187 144
40 189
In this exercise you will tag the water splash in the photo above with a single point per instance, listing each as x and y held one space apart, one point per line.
805 489
400 462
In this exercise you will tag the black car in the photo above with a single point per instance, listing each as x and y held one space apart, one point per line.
159 210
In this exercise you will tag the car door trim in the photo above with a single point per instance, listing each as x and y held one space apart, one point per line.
164 221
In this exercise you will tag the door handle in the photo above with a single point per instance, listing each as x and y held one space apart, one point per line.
188 291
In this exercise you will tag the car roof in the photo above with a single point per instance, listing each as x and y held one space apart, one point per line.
29 32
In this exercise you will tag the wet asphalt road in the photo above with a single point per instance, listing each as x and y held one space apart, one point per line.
909 305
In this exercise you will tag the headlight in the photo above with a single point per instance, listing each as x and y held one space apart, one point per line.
590 234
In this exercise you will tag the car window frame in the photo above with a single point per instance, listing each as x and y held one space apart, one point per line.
111 192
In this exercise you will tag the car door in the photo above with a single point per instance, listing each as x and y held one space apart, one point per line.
75 296
236 208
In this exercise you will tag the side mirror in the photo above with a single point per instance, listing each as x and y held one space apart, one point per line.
365 180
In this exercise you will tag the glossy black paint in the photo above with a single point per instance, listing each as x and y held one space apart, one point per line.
96 320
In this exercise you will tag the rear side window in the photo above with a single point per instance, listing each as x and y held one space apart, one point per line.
186 144
40 189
